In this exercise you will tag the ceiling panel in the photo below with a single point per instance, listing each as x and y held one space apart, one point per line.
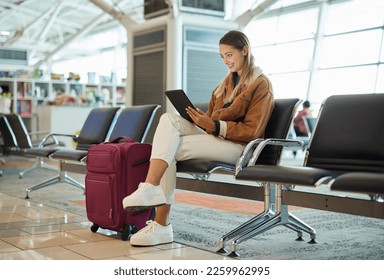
46 27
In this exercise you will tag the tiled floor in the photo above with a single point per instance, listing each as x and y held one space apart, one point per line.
34 231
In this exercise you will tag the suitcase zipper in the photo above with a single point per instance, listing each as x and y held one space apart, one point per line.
139 162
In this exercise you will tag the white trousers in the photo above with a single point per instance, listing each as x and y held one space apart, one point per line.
176 139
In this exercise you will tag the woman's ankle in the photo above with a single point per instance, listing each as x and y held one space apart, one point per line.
162 215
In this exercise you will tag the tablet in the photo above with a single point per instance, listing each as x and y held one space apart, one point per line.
180 101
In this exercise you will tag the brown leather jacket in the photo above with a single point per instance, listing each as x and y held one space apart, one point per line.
247 117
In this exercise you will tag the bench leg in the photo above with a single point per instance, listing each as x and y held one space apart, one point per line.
281 217
39 163
268 212
61 177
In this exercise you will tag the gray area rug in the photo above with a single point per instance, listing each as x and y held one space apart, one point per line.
339 236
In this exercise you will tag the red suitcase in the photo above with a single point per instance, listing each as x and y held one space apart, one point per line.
114 170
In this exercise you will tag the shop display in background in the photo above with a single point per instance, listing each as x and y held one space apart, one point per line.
73 77
28 90
91 77
24 107
5 101
59 77
38 73
62 98
6 74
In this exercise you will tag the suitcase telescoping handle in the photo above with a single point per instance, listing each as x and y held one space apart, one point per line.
120 138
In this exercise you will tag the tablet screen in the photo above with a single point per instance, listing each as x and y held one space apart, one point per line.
180 101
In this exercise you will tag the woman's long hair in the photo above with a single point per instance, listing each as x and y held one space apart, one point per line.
238 40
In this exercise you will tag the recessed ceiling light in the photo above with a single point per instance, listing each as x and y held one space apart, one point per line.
5 33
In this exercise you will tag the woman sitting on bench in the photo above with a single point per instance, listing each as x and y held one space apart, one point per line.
238 112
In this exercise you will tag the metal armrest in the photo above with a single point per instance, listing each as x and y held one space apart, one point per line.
36 136
256 147
54 136
38 133
247 153
275 142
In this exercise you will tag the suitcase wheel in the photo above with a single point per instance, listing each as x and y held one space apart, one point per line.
94 228
127 231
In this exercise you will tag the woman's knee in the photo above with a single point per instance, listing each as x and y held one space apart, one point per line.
169 117
170 120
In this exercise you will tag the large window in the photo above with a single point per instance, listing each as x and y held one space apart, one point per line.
283 47
104 54
316 49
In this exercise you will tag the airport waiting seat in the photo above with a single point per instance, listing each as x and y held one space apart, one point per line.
266 151
135 122
8 138
7 135
277 128
2 161
18 142
310 123
342 143
93 131
132 121
361 182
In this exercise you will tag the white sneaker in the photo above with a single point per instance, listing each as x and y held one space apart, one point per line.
153 234
146 196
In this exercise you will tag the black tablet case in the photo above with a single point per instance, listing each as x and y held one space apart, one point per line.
180 101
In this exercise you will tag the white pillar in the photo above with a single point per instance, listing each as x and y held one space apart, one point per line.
129 78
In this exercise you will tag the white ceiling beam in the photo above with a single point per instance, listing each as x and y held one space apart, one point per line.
19 33
249 15
16 36
51 20
125 20
41 36
23 12
87 27
31 45
10 8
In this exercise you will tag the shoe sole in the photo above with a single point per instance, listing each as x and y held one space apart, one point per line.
139 209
